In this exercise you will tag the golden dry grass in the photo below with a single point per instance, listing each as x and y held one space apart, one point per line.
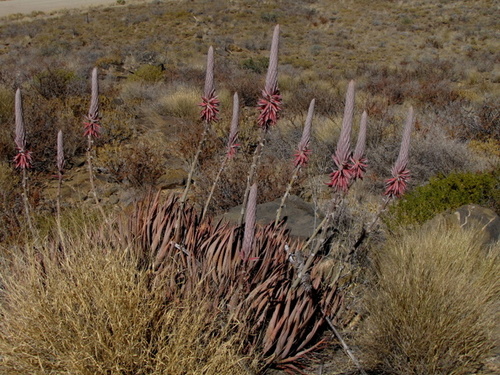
93 312
434 306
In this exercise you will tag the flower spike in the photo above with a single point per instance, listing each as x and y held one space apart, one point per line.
233 131
358 161
342 176
396 186
60 152
23 159
270 103
250 217
210 102
92 125
303 151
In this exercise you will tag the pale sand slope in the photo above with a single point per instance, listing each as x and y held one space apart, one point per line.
8 7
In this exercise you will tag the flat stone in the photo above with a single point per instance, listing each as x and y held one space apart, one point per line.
300 217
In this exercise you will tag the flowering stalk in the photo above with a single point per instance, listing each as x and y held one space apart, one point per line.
396 186
341 180
341 177
358 161
92 128
209 113
23 159
230 152
249 232
301 158
269 107
60 167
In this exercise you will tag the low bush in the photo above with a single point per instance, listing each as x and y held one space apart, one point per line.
147 73
140 163
431 307
446 193
92 311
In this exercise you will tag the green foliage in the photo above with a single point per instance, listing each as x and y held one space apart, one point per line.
147 73
257 65
446 193
54 83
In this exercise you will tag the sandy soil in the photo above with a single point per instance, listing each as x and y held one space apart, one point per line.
8 7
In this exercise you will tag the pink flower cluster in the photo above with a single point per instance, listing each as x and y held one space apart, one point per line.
92 128
210 109
395 187
23 159
270 107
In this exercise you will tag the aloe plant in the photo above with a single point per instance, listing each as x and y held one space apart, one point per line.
60 168
23 159
92 129
269 106
209 113
231 149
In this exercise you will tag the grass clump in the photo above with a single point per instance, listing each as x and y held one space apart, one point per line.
445 193
434 305
148 73
92 311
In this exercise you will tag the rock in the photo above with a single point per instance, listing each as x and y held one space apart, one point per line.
472 216
173 178
300 215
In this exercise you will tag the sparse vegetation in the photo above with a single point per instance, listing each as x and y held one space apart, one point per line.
152 286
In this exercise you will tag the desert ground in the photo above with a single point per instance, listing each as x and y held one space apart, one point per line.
8 7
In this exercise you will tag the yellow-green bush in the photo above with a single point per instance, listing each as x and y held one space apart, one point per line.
445 193
433 304
147 73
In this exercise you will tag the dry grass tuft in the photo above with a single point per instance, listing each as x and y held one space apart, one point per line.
435 304
91 311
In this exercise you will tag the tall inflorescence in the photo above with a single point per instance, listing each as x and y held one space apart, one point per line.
358 162
303 151
210 102
396 186
92 120
250 217
23 159
342 175
232 144
60 152
270 103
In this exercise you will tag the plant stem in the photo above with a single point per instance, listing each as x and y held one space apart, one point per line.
26 202
251 174
194 163
91 176
366 232
344 344
287 193
58 207
322 227
223 165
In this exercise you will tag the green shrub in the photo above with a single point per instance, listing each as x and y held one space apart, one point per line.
446 193
56 83
257 65
147 73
